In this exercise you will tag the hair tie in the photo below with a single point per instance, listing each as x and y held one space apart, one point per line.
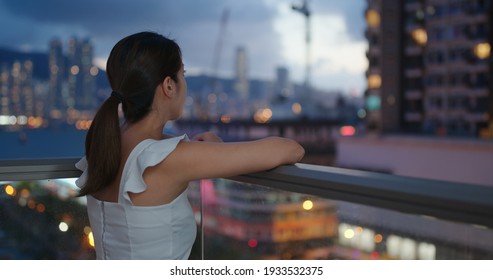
118 96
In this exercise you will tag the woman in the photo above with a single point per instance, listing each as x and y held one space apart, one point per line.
134 177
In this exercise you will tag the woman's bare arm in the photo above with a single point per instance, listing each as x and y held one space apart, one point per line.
199 160
208 157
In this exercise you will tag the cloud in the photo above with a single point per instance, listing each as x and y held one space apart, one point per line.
91 13
352 11
116 17
337 57
195 24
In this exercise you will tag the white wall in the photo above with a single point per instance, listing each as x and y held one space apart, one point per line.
469 161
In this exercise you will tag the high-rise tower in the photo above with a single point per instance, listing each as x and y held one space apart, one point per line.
17 93
241 74
86 99
4 90
283 86
81 83
56 62
430 67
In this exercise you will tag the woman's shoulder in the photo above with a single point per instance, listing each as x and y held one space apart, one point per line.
157 145
150 152
147 153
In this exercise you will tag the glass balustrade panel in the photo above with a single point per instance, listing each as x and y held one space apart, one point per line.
43 220
244 221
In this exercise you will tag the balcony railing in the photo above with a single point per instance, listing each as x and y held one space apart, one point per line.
461 203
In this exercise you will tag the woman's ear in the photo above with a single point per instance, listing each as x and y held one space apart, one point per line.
168 86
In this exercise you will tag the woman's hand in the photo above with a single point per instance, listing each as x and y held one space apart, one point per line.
207 137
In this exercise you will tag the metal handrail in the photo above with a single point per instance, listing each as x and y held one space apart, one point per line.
460 202
38 169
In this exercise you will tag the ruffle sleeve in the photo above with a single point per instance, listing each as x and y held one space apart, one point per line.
82 166
148 153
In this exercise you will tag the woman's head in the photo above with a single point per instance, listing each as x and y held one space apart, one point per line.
137 65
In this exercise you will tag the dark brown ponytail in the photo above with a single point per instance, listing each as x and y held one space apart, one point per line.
103 147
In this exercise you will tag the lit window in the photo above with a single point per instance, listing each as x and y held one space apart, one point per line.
296 108
94 71
373 103
420 36
74 70
374 81
482 50
373 18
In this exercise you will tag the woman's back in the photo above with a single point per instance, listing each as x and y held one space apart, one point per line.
140 232
123 230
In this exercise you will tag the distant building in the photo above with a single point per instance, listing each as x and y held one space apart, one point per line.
430 67
18 84
4 91
284 87
21 96
81 83
241 74
241 100
56 65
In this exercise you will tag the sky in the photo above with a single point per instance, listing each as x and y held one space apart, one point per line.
270 31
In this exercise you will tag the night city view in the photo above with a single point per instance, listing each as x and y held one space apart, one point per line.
392 101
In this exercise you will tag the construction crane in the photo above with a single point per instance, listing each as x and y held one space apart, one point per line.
218 50
212 108
305 11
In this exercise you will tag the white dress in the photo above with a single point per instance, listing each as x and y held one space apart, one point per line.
124 231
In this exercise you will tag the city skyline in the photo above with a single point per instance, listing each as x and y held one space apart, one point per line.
272 33
68 90
41 89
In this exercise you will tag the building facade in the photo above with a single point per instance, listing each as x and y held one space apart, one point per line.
242 86
18 100
56 61
430 67
430 74
81 82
